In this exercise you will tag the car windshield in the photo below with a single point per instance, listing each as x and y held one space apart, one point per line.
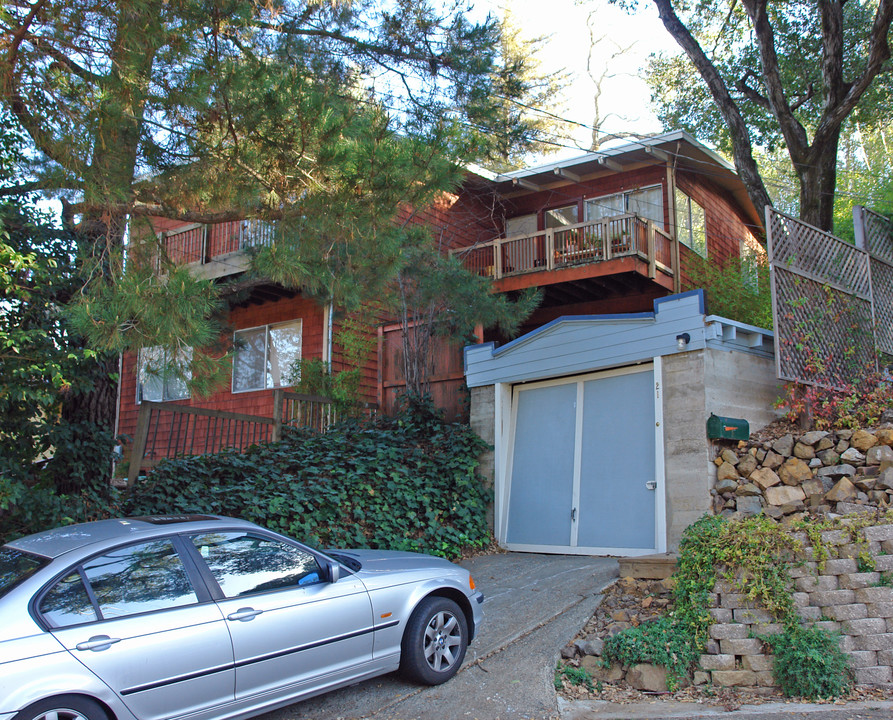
15 566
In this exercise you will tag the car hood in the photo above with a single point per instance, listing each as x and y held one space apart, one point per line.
382 568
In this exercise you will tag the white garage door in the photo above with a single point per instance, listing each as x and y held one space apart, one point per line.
584 473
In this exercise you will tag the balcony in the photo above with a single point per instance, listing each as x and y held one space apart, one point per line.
218 249
596 248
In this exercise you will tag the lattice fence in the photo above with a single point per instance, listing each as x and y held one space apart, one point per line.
831 301
877 235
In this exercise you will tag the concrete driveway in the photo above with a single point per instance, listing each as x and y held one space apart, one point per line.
534 604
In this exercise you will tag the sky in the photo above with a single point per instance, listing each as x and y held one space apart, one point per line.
625 94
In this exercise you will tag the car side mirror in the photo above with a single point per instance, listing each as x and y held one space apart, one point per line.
334 572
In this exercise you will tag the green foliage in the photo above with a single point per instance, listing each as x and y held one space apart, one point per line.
404 483
809 663
574 675
738 290
46 370
754 554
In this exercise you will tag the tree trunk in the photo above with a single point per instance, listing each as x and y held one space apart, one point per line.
818 180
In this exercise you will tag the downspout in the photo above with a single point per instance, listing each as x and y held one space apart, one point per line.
118 454
328 331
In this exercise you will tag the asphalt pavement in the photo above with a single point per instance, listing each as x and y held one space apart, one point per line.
534 604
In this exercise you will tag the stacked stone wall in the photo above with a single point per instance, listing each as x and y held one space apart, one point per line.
845 592
821 472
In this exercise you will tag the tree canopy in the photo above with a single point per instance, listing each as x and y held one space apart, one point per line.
777 74
325 117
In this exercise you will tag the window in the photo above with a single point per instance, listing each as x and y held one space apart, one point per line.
691 223
647 203
162 375
126 581
266 356
244 564
16 566
560 217
139 578
750 264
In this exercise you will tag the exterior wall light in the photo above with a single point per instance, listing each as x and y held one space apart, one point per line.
682 340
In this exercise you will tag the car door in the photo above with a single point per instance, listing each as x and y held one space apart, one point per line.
134 617
291 629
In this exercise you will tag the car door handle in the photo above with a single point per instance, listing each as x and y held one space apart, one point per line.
97 643
244 614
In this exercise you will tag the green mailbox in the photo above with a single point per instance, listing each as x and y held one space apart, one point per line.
727 428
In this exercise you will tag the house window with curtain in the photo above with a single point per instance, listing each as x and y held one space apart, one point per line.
647 203
267 356
691 223
163 375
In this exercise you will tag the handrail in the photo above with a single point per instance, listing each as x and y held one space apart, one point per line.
591 241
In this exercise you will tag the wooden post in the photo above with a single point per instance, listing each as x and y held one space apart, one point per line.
550 248
652 259
277 414
139 442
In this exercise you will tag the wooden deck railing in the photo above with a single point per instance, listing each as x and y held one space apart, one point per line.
593 241
167 430
201 243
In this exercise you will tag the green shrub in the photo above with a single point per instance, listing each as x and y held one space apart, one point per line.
809 663
403 483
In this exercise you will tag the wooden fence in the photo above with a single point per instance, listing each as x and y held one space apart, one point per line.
167 430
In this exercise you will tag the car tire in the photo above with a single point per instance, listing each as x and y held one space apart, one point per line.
434 642
63 707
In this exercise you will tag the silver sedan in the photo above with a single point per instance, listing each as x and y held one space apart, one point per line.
207 617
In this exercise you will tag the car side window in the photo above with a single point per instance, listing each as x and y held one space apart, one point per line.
245 564
67 603
139 578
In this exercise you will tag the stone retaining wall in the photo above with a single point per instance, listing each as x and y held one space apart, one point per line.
841 471
832 594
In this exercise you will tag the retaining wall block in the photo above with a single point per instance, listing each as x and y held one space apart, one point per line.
883 641
758 663
750 616
717 662
810 613
828 598
881 610
721 615
801 599
856 611
835 537
863 658
811 583
854 550
887 546
839 566
885 657
854 581
765 679
734 678
879 533
864 626
806 569
828 626
727 631
874 595
769 629
874 675
724 586
747 646
735 600
883 563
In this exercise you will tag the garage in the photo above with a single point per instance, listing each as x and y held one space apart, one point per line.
598 424
583 472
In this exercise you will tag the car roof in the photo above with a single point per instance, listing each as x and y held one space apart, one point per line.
56 542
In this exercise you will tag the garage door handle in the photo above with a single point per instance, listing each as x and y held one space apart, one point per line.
651 484
573 514
244 614
97 643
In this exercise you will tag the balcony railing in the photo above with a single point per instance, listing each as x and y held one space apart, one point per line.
199 243
594 241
